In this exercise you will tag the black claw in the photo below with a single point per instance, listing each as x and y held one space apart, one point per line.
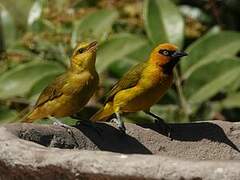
122 129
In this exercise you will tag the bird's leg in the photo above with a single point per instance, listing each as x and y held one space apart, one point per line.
57 122
160 122
119 122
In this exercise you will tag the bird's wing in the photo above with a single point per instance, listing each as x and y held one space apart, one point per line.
129 80
52 91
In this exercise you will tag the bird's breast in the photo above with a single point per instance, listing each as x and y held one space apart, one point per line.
150 88
77 82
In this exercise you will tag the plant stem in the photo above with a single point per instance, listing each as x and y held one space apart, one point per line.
183 102
2 42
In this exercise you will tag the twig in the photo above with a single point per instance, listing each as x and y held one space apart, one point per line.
183 101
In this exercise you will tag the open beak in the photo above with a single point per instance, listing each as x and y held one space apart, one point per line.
92 45
178 54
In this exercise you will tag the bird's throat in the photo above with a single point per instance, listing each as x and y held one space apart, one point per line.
168 67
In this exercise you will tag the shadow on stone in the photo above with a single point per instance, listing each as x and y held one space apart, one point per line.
195 132
113 140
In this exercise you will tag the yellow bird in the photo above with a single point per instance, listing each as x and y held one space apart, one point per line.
142 86
69 92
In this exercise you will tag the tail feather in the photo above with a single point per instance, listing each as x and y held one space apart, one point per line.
27 119
31 117
103 113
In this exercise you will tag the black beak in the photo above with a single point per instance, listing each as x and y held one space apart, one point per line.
178 54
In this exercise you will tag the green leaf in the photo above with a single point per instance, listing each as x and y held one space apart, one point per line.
208 73
142 53
216 85
94 25
19 11
8 27
232 101
120 67
34 18
18 81
163 22
38 87
116 48
7 115
210 48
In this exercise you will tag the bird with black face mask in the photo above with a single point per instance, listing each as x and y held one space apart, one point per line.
142 86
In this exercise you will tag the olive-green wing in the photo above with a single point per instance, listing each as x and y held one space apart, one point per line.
52 91
129 80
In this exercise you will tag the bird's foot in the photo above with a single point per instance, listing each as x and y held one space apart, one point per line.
167 129
120 125
89 124
57 122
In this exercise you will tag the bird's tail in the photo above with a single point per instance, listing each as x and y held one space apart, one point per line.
103 113
29 117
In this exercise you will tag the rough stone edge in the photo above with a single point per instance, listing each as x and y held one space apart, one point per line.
35 158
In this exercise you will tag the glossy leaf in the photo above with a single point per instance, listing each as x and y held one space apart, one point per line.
163 22
117 47
8 27
18 81
34 18
208 73
216 85
19 10
94 25
210 48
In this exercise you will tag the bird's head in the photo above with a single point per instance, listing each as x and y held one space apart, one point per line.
84 55
166 55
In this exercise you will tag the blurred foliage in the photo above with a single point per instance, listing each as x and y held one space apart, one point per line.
37 38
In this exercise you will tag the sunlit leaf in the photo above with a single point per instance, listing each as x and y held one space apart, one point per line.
18 81
208 73
8 27
216 85
19 10
163 22
210 48
117 47
94 25
232 101
35 13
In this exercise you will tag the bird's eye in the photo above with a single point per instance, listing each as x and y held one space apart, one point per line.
80 51
165 53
